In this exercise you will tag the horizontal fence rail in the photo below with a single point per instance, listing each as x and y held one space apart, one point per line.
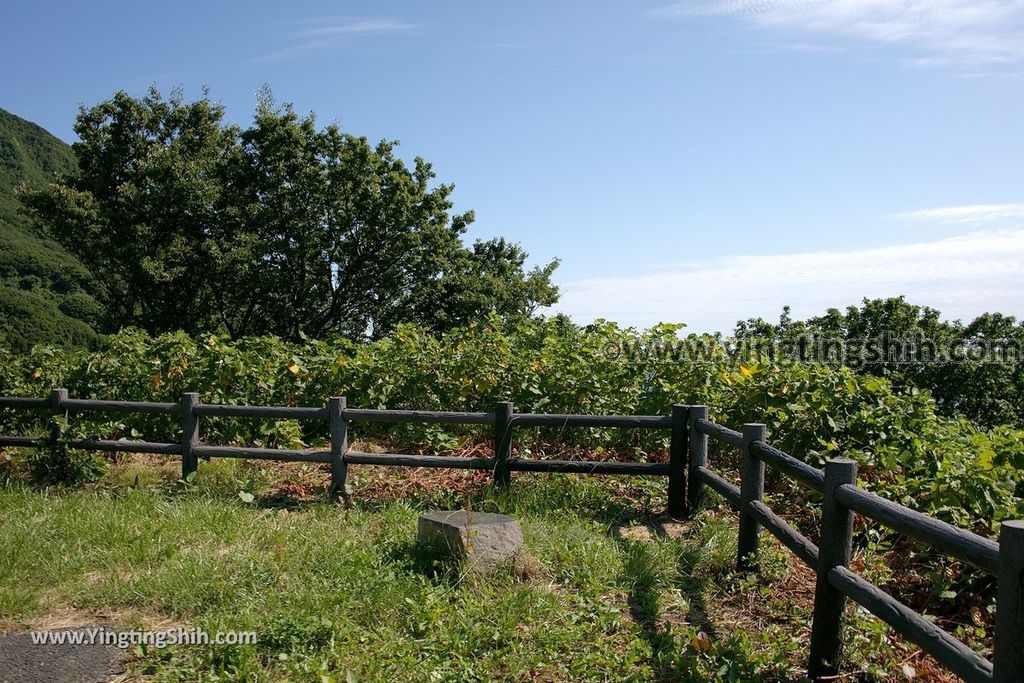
720 485
811 477
688 477
339 415
125 446
23 403
85 404
264 412
797 543
950 652
842 498
439 461
717 431
22 441
590 467
552 420
281 454
417 416
963 545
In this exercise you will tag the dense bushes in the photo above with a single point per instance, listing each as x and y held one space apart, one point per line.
974 369
907 452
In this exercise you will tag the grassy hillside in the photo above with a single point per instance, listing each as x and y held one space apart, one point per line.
44 291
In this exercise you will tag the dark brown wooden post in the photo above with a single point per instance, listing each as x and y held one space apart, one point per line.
698 447
60 419
189 435
677 462
339 446
751 488
502 443
678 449
1008 661
834 551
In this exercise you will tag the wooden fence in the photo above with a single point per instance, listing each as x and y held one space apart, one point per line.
688 476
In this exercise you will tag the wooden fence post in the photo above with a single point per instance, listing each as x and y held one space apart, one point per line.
339 445
677 461
189 435
502 443
833 551
60 418
751 488
698 443
1008 661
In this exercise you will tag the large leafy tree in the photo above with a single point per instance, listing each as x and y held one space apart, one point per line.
281 227
141 206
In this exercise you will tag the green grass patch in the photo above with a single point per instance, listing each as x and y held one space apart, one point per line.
340 595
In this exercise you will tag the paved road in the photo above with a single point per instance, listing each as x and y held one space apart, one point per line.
22 661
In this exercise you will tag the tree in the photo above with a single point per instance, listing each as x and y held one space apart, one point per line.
281 227
141 205
976 370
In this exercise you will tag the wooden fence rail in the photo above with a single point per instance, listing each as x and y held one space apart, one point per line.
841 499
502 419
688 476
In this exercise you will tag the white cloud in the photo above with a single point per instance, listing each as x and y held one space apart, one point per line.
948 31
350 27
972 213
961 276
331 32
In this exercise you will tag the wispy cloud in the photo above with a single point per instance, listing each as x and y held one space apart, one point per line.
944 31
961 276
971 213
325 33
352 27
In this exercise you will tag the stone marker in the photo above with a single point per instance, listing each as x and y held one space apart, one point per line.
483 539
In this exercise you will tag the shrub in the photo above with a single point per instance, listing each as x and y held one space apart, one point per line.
906 450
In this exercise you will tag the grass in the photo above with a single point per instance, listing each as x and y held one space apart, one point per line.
611 592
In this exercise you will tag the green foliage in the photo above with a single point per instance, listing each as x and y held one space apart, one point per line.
907 451
65 467
280 228
33 316
46 295
28 154
975 370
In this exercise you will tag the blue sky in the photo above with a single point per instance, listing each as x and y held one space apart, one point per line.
698 162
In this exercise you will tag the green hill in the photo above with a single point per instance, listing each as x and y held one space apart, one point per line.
45 293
